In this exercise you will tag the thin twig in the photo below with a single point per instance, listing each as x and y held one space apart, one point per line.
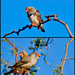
69 58
14 47
47 41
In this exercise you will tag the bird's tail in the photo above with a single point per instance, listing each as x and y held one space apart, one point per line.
42 29
7 73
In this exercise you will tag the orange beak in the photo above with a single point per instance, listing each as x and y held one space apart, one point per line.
39 55
20 54
26 10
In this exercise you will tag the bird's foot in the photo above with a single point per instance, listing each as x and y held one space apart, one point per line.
27 72
19 72
30 27
34 24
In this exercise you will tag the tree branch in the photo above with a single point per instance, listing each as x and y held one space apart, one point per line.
63 61
69 58
48 19
65 24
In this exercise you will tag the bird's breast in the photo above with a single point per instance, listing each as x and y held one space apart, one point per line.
33 61
33 19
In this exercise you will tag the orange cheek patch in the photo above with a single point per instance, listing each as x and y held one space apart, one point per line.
30 9
25 55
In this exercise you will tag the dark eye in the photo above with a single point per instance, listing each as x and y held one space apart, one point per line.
27 8
36 55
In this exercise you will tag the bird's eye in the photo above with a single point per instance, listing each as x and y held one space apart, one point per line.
36 55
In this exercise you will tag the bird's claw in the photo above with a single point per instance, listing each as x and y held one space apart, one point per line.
19 71
30 27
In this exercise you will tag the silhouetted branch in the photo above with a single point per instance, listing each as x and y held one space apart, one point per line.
17 32
27 26
48 19
65 24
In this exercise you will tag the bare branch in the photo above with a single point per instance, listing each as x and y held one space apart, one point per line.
63 61
48 19
65 24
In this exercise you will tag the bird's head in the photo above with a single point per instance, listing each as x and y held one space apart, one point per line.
30 10
23 54
35 55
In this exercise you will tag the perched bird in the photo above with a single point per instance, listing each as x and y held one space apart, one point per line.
34 17
22 54
27 62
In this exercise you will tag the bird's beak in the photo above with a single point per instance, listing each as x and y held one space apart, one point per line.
26 10
39 55
20 54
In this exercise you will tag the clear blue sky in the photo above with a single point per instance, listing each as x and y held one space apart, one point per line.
57 52
13 16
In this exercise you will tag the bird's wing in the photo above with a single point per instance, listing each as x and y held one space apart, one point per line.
22 61
38 16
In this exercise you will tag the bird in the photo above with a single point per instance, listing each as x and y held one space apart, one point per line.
22 54
27 62
35 18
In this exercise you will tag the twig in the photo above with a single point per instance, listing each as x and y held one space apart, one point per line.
63 61
69 58
14 47
47 41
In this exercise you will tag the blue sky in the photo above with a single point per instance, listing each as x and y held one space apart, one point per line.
13 16
57 52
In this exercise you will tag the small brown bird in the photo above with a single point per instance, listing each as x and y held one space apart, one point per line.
34 17
22 54
26 62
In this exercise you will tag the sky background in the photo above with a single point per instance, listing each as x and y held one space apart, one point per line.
13 16
57 52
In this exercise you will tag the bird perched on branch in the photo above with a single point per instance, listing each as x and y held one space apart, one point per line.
27 62
35 18
22 54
